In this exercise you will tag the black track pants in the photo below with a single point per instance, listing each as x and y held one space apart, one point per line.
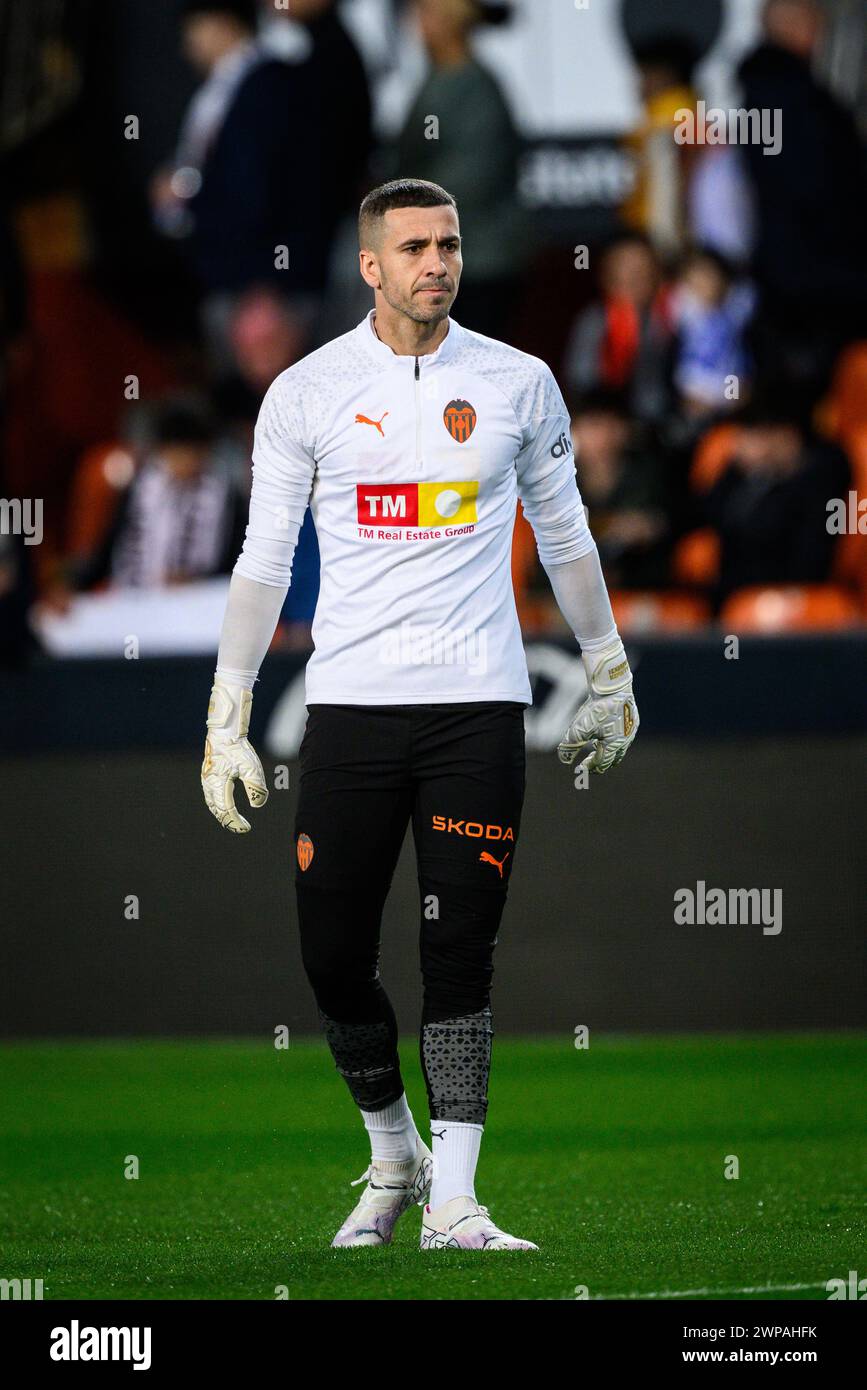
457 773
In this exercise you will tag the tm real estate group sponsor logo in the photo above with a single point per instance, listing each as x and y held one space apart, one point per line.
413 511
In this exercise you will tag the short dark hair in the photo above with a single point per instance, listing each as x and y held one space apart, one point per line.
600 400
628 236
774 404
700 253
675 54
244 12
399 193
182 419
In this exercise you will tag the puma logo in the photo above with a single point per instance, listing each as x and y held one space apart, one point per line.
441 1134
363 420
485 858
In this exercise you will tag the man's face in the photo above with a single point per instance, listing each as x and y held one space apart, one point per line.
599 435
440 20
417 266
704 282
184 463
653 79
772 449
798 25
629 272
303 10
206 37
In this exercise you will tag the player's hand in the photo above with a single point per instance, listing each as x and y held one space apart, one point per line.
229 756
607 720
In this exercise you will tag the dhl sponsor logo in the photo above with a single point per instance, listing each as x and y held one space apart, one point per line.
475 829
417 504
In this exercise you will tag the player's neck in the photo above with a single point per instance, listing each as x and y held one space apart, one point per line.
407 338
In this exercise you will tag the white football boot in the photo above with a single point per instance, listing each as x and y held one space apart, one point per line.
391 1189
463 1224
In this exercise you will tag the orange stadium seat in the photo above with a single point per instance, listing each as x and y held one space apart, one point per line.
97 484
534 611
696 555
644 610
850 561
790 608
696 558
711 456
845 407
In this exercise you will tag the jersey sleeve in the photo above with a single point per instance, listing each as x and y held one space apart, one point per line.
283 473
545 467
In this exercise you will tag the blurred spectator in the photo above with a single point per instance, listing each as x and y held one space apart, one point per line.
657 205
473 116
248 176
296 615
13 304
16 639
181 518
624 488
720 204
338 79
266 335
623 340
769 506
711 311
811 201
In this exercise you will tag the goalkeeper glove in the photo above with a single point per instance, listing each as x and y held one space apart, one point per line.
228 756
608 717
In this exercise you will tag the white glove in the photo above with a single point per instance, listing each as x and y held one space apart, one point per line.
608 718
228 756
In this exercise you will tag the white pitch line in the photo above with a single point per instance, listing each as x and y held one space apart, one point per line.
714 1293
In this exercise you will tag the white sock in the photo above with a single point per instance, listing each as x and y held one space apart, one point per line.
392 1132
455 1149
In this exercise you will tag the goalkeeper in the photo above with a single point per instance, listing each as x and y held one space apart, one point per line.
412 439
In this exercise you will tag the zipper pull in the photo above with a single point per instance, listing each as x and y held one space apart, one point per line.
416 369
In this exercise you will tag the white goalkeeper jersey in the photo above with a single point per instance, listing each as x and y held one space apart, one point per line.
413 467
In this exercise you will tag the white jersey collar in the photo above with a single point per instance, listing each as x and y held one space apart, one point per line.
374 345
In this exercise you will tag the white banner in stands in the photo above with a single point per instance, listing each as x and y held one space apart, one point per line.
184 619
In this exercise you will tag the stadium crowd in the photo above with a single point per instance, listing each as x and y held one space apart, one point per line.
714 360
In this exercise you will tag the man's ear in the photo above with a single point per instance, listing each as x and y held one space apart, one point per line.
369 269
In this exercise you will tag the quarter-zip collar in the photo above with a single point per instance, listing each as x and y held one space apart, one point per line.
367 337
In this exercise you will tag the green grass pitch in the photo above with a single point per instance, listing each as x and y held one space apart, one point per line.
611 1159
